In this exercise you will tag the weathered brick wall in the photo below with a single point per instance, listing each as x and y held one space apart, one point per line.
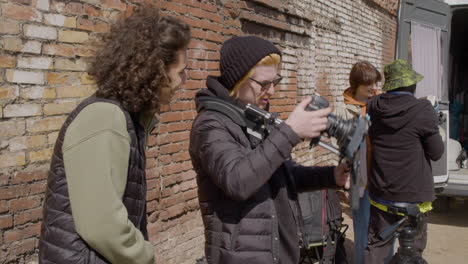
42 78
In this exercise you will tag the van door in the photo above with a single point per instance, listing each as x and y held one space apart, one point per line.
423 39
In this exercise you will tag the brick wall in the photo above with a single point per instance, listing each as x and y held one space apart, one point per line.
42 78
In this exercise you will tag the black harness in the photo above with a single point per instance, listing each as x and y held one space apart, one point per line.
251 119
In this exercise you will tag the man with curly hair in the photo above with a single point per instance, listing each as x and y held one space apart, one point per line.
95 205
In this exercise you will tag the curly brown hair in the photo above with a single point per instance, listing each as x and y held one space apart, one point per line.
132 59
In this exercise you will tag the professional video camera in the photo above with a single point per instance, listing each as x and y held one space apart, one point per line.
348 133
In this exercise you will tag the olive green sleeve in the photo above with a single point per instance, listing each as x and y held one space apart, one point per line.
96 151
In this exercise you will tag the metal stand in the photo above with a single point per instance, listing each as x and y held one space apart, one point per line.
408 229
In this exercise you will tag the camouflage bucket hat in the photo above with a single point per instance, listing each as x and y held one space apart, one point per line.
400 74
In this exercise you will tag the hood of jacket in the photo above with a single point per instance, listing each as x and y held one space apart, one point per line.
394 110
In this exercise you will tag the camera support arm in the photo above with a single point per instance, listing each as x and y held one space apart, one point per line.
350 133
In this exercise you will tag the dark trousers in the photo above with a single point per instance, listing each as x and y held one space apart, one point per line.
379 252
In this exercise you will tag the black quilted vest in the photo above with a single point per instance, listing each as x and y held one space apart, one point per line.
59 242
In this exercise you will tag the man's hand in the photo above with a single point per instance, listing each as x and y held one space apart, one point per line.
308 124
342 175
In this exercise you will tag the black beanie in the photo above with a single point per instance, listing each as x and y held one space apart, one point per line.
239 55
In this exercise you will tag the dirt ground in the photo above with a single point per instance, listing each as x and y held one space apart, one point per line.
447 234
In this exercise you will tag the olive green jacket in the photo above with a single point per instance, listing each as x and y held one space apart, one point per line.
96 151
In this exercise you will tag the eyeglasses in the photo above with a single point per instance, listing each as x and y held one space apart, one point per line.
266 84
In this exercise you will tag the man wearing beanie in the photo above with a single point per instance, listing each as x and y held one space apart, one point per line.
248 194
404 138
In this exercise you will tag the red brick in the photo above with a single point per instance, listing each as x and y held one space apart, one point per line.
152 141
85 24
202 65
152 184
182 105
92 10
176 167
188 175
181 9
205 45
23 247
7 61
20 12
22 233
188 185
9 192
114 4
200 13
191 194
74 8
24 203
178 157
84 51
28 216
179 136
63 78
172 179
189 115
165 159
192 205
64 50
151 163
101 27
152 173
37 187
198 75
171 148
203 54
171 127
166 192
171 117
6 221
195 84
173 200
173 137
186 95
29 176
3 206
209 7
152 194
173 211
151 206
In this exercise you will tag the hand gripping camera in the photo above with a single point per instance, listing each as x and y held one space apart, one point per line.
348 133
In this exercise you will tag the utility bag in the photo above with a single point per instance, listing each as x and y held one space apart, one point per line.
323 227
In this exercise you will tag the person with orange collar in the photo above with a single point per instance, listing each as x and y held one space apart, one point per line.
363 81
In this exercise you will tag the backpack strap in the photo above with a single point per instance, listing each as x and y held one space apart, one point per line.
252 130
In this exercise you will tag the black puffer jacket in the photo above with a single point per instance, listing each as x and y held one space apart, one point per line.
59 241
248 195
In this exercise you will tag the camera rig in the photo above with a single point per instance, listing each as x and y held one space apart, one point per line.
257 122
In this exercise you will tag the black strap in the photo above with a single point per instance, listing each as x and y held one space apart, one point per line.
236 114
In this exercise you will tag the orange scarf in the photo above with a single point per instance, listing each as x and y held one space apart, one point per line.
349 99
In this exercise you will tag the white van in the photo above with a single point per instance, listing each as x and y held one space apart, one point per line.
433 36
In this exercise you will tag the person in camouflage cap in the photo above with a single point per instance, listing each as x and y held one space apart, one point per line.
404 139
400 74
